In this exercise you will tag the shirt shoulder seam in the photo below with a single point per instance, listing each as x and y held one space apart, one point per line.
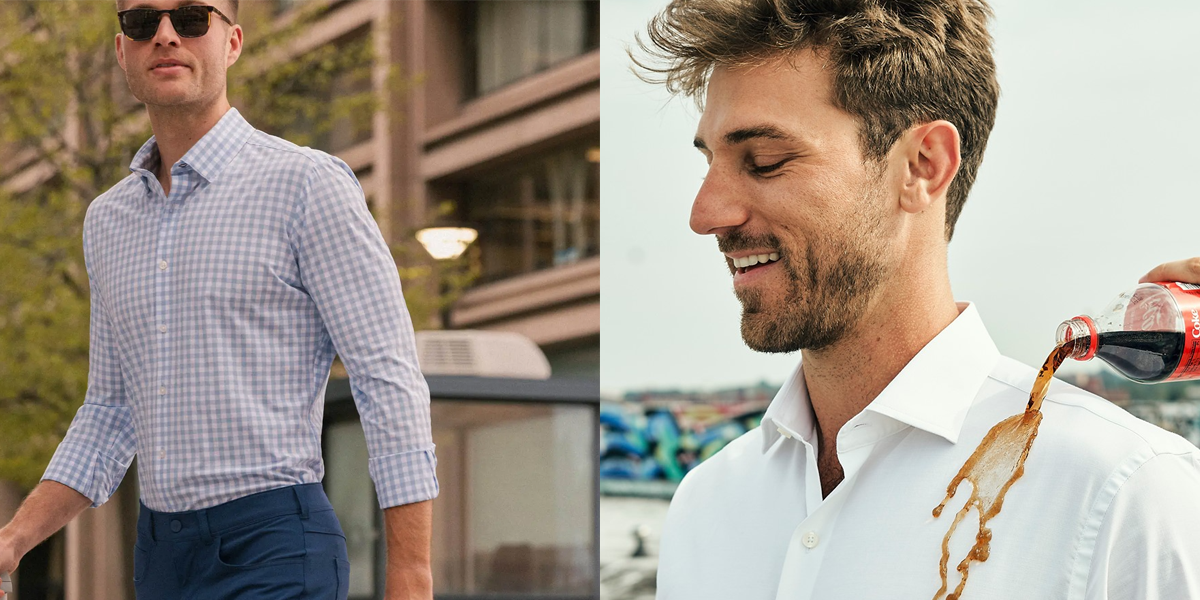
1050 397
1089 534
270 144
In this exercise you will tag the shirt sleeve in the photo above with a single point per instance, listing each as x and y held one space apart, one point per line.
100 444
1148 547
348 270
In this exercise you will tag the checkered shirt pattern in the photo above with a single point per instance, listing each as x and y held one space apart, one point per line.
217 310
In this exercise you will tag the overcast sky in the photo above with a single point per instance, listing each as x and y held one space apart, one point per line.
1089 181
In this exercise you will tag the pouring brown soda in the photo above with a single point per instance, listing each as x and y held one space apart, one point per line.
1148 334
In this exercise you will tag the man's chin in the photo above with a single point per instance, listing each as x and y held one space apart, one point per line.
769 334
166 94
762 333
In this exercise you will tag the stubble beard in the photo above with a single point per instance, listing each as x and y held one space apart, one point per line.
189 100
826 294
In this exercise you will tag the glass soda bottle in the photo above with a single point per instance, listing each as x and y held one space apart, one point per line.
1149 334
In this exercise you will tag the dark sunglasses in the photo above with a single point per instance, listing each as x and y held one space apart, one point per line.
192 21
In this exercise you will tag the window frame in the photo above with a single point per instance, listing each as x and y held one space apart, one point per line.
340 408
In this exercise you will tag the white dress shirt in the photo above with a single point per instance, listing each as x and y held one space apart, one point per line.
1108 507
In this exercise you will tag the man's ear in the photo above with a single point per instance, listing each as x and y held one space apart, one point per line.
931 154
235 46
120 50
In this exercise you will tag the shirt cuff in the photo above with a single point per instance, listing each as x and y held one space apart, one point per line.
404 477
91 473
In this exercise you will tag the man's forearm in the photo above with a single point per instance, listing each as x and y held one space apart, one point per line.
409 528
49 507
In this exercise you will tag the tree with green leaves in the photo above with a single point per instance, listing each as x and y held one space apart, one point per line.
69 127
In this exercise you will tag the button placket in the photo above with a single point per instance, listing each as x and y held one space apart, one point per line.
167 226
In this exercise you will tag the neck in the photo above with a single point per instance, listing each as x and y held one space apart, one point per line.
844 378
178 128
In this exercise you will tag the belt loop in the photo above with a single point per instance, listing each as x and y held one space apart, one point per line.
302 501
202 525
150 517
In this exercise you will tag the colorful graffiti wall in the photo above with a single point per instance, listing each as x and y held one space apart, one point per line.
664 442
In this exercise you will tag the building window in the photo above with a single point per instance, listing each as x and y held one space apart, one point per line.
354 500
539 213
515 514
516 38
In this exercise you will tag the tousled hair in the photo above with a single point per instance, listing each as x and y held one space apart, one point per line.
894 63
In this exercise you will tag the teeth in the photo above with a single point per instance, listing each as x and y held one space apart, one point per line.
755 259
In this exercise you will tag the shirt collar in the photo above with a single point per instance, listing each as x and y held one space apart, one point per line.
790 413
933 392
209 155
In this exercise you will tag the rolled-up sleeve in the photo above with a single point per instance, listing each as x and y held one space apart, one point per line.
100 444
348 270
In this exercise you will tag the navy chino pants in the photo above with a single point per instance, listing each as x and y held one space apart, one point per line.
282 543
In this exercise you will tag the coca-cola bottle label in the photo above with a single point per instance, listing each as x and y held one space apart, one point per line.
1187 297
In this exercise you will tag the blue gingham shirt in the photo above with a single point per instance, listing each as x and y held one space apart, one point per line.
216 314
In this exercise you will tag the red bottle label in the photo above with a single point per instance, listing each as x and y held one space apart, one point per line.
1187 296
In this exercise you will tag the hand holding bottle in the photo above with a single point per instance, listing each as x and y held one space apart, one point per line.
1186 270
1150 333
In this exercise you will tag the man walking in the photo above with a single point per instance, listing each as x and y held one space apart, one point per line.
842 139
226 272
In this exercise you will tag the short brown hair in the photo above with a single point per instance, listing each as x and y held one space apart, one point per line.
895 63
232 15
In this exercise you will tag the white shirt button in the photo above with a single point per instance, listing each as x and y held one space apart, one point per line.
162 265
162 328
162 391
162 453
810 540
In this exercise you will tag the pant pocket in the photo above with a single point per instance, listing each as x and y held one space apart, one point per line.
276 541
343 578
141 560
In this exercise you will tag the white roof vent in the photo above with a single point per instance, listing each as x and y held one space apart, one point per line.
480 353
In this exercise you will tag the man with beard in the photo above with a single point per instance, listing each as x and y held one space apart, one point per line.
226 271
842 138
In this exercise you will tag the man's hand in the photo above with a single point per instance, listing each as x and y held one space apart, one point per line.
10 555
409 530
1186 271
44 511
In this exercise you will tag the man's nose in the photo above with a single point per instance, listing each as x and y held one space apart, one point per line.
719 206
166 34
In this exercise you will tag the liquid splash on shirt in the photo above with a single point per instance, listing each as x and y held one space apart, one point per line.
997 463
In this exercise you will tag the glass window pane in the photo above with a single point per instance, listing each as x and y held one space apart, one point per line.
516 513
517 38
539 213
352 495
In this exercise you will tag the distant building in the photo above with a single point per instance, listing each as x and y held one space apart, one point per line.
761 393
1179 416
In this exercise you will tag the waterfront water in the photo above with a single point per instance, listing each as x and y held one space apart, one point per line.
623 576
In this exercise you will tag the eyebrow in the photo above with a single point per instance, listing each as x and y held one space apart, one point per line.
745 134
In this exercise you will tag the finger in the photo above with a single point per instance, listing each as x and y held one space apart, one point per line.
1187 271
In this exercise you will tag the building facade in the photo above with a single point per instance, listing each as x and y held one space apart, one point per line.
500 119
